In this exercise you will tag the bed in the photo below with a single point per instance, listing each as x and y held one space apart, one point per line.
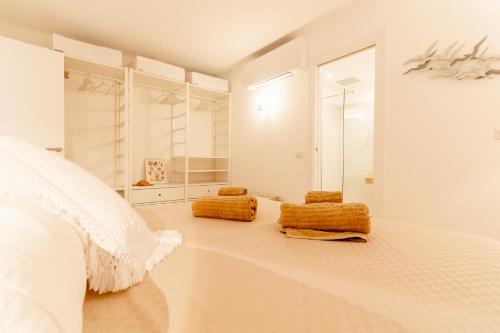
247 277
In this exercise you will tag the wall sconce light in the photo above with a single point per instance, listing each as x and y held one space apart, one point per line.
262 102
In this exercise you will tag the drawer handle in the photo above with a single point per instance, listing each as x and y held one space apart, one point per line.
159 194
56 149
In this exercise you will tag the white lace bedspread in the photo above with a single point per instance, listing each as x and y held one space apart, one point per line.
118 245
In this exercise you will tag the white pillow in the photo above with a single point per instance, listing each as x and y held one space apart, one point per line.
119 247
42 271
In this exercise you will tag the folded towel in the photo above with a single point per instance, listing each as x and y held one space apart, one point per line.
229 191
326 216
239 208
324 235
323 196
143 182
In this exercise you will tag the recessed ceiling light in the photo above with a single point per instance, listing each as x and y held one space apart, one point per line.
348 81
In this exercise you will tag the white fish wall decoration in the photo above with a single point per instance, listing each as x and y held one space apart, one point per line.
475 65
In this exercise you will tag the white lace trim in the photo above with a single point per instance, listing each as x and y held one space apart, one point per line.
119 247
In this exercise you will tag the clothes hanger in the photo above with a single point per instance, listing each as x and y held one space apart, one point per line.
86 81
170 98
110 89
204 106
102 83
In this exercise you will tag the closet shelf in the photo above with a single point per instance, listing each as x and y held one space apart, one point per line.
207 183
87 66
158 81
202 171
177 130
202 157
179 116
157 186
196 91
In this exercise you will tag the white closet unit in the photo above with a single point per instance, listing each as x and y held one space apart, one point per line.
96 119
206 167
157 131
186 126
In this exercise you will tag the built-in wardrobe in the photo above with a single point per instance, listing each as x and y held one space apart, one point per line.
186 126
78 101
116 118
96 120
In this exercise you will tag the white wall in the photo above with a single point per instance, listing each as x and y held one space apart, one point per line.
27 35
40 38
265 144
436 162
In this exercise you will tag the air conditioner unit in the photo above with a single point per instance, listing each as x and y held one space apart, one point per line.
276 64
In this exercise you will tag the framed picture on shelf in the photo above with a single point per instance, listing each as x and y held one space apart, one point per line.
156 171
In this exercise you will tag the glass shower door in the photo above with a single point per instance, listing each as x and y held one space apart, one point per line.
358 150
332 142
346 113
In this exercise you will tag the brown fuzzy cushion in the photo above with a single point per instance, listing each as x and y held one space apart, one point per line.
238 208
323 196
326 216
230 191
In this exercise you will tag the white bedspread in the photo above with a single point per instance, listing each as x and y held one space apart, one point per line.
42 271
247 277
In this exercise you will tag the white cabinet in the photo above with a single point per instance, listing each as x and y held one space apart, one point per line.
156 194
208 82
154 67
203 190
31 93
90 52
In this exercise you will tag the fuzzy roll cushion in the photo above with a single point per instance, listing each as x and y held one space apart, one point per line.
236 208
119 247
323 196
326 216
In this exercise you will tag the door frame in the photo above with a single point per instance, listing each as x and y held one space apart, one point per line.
376 40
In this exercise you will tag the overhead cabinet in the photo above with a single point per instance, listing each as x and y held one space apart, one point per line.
208 82
89 52
154 67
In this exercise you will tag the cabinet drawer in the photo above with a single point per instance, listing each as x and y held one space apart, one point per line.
156 194
197 191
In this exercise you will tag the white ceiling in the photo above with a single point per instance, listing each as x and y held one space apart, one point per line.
204 35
